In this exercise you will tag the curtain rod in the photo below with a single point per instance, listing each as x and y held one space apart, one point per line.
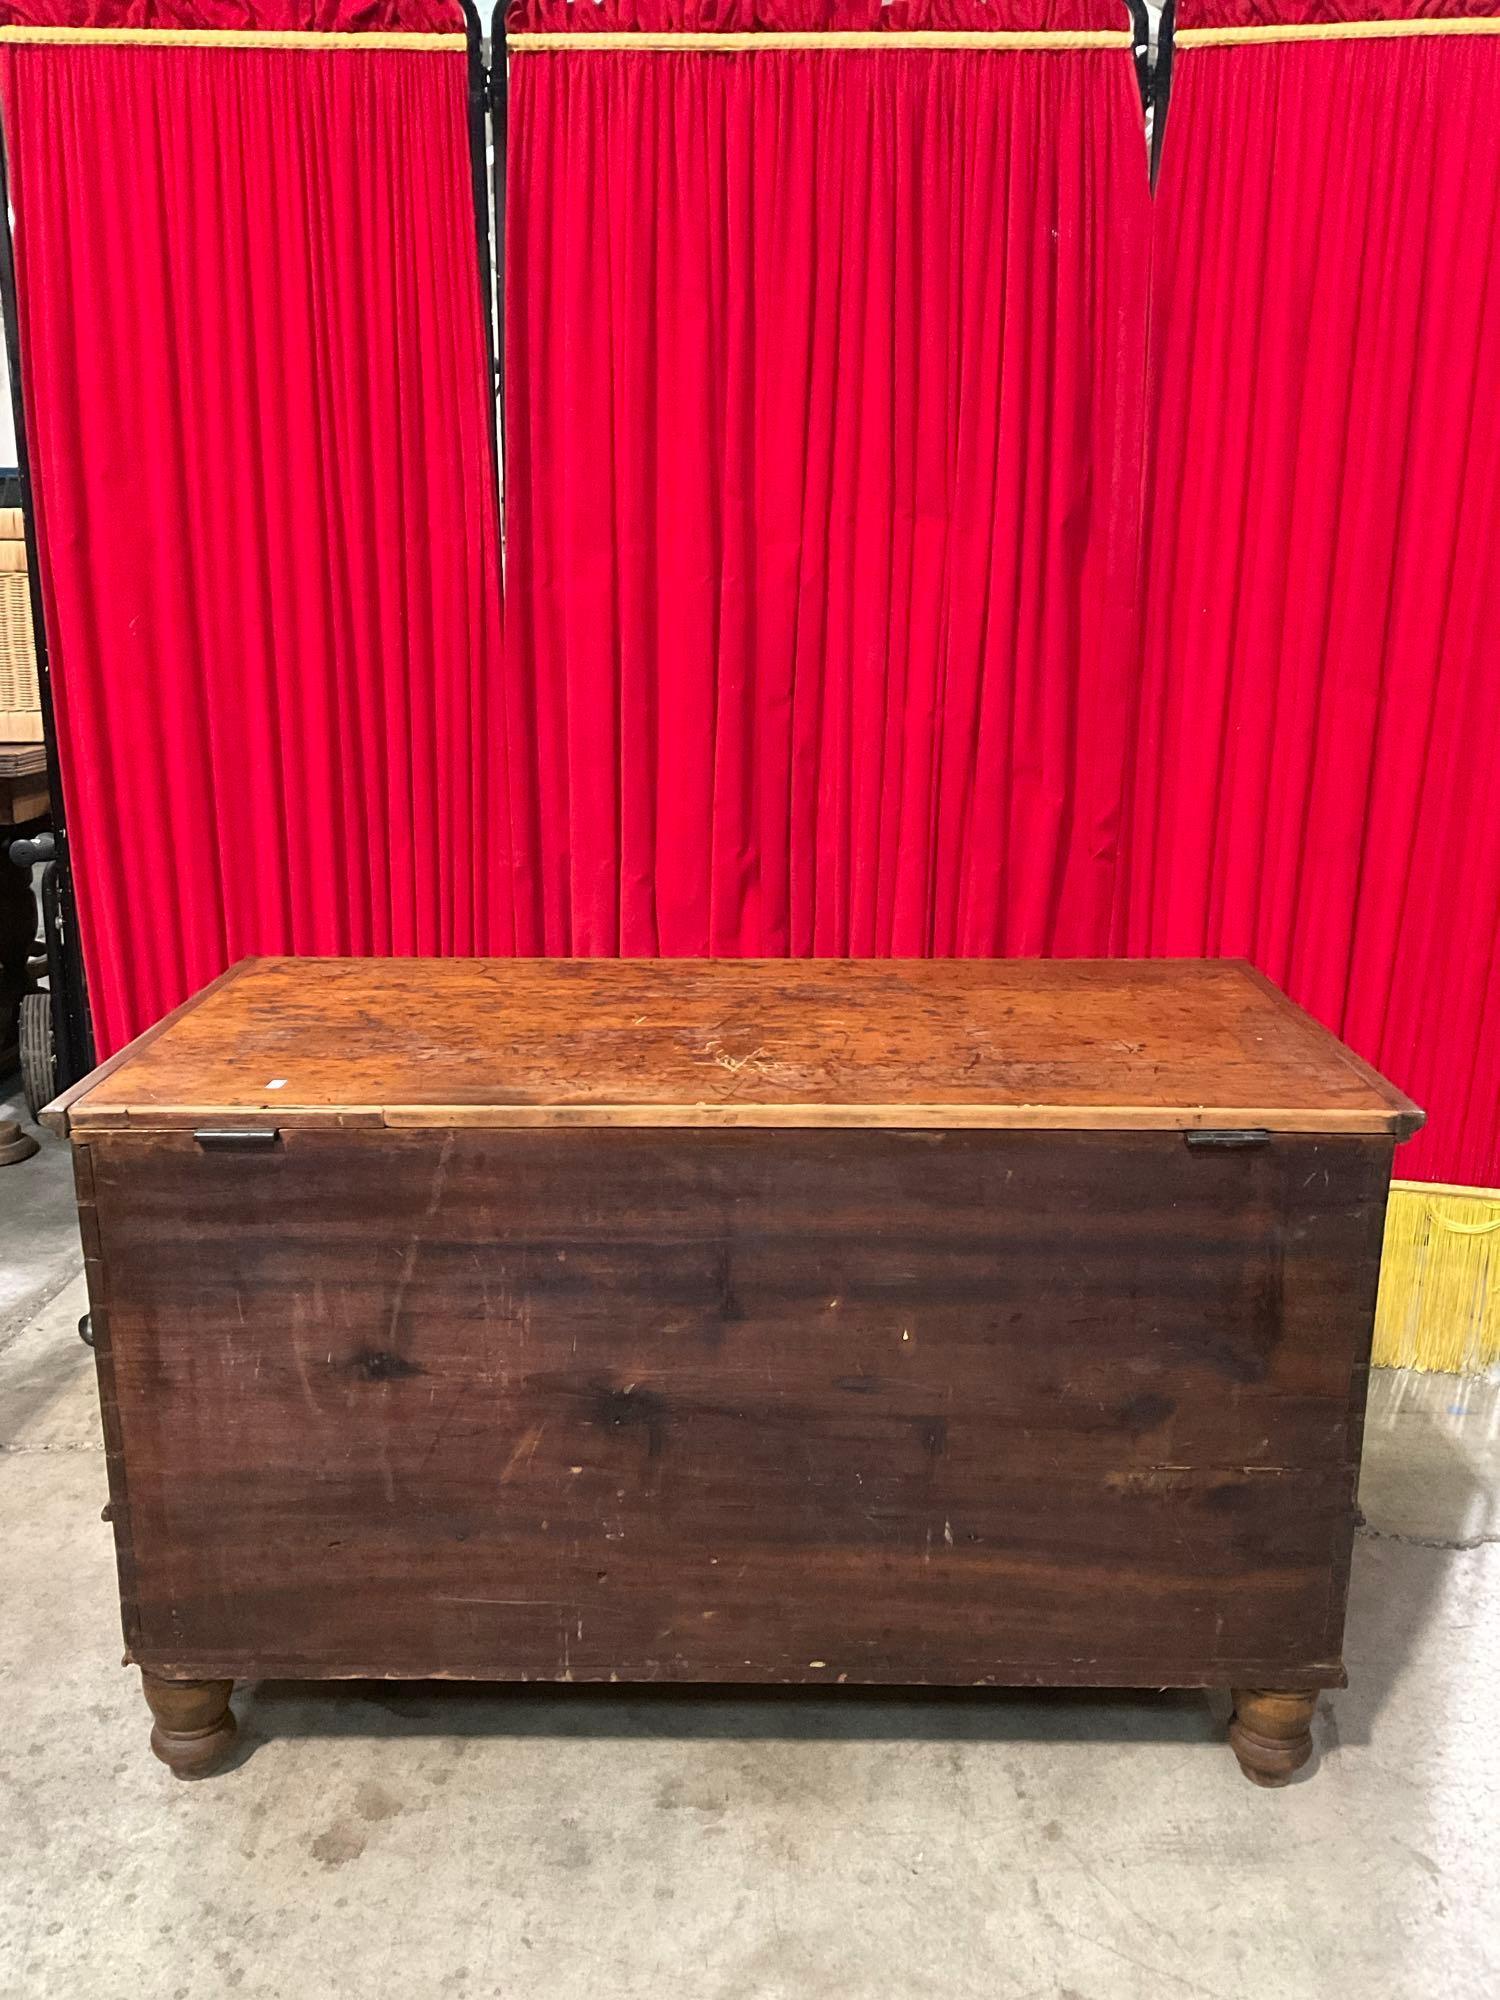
1337 31
650 42
230 38
647 42
665 43
642 43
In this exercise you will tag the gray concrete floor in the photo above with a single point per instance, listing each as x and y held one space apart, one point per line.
530 1845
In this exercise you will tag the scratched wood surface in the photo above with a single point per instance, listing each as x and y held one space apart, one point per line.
759 1406
1010 1043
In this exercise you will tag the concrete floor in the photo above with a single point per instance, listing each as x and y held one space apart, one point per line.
528 1845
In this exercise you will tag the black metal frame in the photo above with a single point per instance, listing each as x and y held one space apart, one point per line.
1140 47
72 1031
489 279
1161 82
499 96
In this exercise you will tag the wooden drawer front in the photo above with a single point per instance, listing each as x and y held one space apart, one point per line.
723 1405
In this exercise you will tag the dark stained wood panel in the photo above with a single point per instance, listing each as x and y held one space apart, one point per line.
1016 1043
737 1406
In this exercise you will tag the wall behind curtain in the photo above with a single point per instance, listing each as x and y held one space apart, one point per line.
1321 710
824 413
254 364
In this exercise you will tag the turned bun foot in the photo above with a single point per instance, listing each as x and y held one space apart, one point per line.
194 1727
1271 1733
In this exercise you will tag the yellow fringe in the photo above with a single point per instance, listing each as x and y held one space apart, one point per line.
645 42
1439 1305
229 38
1337 31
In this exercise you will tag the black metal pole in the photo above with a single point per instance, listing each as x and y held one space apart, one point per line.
72 1031
1161 82
499 133
1140 48
479 112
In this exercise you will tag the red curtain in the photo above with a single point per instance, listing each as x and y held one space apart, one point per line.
827 399
825 379
1321 709
254 363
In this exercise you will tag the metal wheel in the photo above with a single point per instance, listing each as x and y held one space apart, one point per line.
38 1063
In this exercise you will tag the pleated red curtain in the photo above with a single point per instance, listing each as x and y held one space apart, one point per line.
254 362
825 378
827 399
1321 708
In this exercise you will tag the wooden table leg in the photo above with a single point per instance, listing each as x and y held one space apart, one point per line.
194 1727
1271 1733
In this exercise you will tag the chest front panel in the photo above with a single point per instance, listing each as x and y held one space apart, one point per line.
736 1405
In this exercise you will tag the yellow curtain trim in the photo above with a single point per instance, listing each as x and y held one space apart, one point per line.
1439 1305
227 38
1335 31
667 43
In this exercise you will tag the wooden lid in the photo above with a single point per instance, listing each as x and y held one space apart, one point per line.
1100 1044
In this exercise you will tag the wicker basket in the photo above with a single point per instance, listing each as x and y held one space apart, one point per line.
20 701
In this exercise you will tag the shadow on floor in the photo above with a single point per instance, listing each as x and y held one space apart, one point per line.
375 1709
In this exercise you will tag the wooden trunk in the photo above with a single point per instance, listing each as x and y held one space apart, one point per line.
959 1324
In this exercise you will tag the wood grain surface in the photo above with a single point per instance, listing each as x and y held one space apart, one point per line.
964 1407
1060 1044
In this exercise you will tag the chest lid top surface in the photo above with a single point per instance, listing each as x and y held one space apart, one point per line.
1042 1044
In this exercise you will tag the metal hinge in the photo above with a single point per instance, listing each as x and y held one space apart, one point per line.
1242 1136
253 1139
